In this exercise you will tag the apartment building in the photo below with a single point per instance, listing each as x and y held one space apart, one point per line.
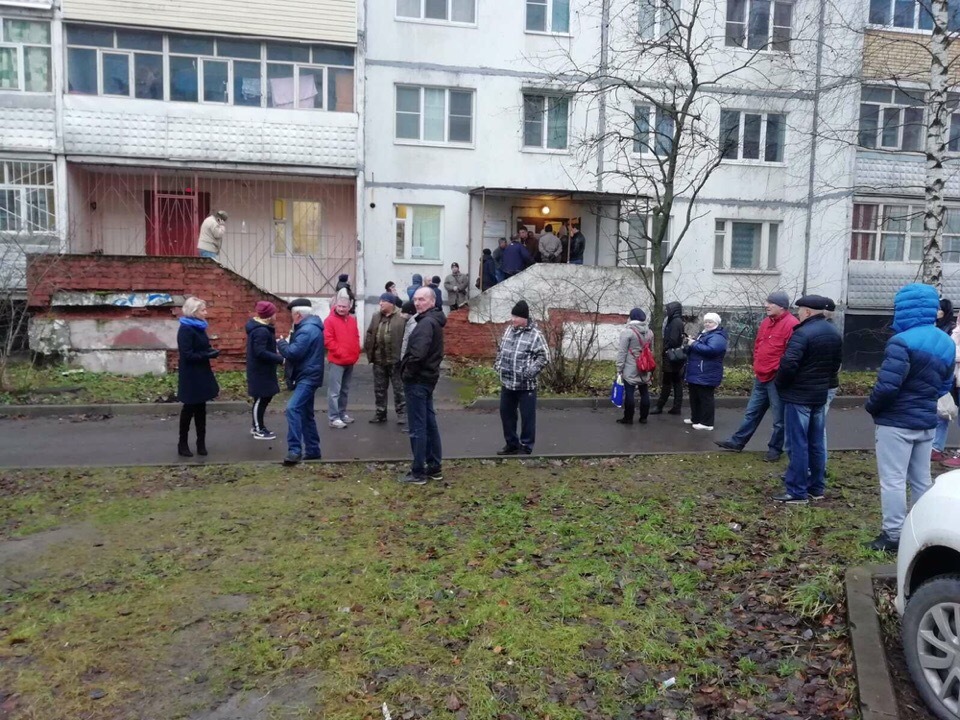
476 122
124 124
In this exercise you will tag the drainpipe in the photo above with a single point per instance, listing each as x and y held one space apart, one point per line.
814 133
601 117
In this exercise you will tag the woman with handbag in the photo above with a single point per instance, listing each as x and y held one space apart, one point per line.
633 339
705 371
672 361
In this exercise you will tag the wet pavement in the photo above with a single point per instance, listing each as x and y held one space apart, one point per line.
80 441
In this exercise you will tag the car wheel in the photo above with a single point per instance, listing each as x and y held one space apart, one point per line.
931 644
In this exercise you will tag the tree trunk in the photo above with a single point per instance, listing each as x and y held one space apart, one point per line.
936 148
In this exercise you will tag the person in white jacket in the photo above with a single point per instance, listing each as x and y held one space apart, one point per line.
212 231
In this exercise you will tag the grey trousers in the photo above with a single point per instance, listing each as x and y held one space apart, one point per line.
902 456
338 387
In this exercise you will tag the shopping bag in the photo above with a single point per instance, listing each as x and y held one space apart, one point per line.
946 407
616 392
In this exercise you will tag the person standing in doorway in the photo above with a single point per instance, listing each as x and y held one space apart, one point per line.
262 362
671 377
634 339
522 355
516 258
341 336
303 353
420 370
578 244
498 259
212 230
488 271
549 246
383 343
456 284
768 347
196 384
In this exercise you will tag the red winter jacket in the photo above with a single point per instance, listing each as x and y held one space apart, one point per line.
771 342
341 337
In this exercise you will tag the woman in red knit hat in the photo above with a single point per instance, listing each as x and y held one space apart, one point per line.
262 361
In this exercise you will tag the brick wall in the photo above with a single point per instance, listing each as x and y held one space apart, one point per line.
478 341
230 297
904 56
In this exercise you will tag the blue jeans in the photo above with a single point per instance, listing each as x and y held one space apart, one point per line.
764 395
806 471
338 385
499 275
209 254
526 402
302 434
422 426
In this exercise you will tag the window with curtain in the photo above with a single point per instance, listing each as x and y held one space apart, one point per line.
25 60
434 115
297 227
548 16
545 121
746 245
752 136
418 231
653 130
759 24
892 119
636 248
452 11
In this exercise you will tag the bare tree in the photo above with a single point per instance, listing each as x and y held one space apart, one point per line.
659 82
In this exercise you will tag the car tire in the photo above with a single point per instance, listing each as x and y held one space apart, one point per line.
931 637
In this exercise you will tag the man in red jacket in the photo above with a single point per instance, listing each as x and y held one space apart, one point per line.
341 337
768 348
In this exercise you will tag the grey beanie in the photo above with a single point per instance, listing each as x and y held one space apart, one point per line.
780 298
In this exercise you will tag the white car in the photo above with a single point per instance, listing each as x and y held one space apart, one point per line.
928 595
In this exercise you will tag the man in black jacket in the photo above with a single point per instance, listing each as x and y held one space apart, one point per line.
807 368
420 370
672 372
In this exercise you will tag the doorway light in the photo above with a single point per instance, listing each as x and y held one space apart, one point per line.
545 210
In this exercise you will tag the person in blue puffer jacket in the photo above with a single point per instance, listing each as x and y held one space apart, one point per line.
705 371
917 369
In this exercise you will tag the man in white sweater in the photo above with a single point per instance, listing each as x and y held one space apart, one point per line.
211 235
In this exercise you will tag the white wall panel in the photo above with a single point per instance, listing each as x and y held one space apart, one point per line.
32 129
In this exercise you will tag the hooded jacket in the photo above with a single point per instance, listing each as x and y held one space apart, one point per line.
673 333
420 364
417 284
705 357
393 327
262 359
304 352
810 362
341 336
770 344
918 363
633 337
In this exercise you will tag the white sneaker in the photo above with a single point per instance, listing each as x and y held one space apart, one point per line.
688 421
338 424
698 426
346 418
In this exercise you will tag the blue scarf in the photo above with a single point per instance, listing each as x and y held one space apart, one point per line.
194 322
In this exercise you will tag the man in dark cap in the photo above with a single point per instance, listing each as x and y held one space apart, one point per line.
810 362
768 347
383 343
304 355
523 354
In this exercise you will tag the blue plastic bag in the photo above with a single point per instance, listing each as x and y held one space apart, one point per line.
616 392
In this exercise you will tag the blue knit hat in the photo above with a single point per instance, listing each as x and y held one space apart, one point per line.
638 314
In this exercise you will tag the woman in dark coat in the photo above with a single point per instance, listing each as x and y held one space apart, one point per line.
705 371
262 361
671 377
196 383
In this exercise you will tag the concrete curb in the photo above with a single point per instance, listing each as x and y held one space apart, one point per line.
155 409
877 699
564 403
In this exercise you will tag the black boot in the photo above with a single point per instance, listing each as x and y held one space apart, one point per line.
201 421
658 410
183 449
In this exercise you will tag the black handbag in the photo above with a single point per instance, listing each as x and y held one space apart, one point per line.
676 355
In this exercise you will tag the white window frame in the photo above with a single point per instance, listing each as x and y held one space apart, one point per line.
772 27
547 97
628 242
655 115
408 230
422 18
548 5
953 20
723 230
446 142
913 233
741 130
19 49
288 230
892 105
659 30
23 190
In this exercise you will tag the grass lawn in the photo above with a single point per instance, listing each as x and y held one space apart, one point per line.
737 381
654 587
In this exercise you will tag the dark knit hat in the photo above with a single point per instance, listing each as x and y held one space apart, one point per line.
408 308
299 302
638 314
266 309
387 297
487 251
779 298
435 280
343 278
814 302
521 310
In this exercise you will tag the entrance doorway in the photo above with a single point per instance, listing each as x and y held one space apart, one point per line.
173 221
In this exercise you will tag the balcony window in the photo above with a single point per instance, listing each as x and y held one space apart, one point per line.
891 119
893 232
25 55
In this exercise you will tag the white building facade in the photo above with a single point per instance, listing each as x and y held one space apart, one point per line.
124 124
